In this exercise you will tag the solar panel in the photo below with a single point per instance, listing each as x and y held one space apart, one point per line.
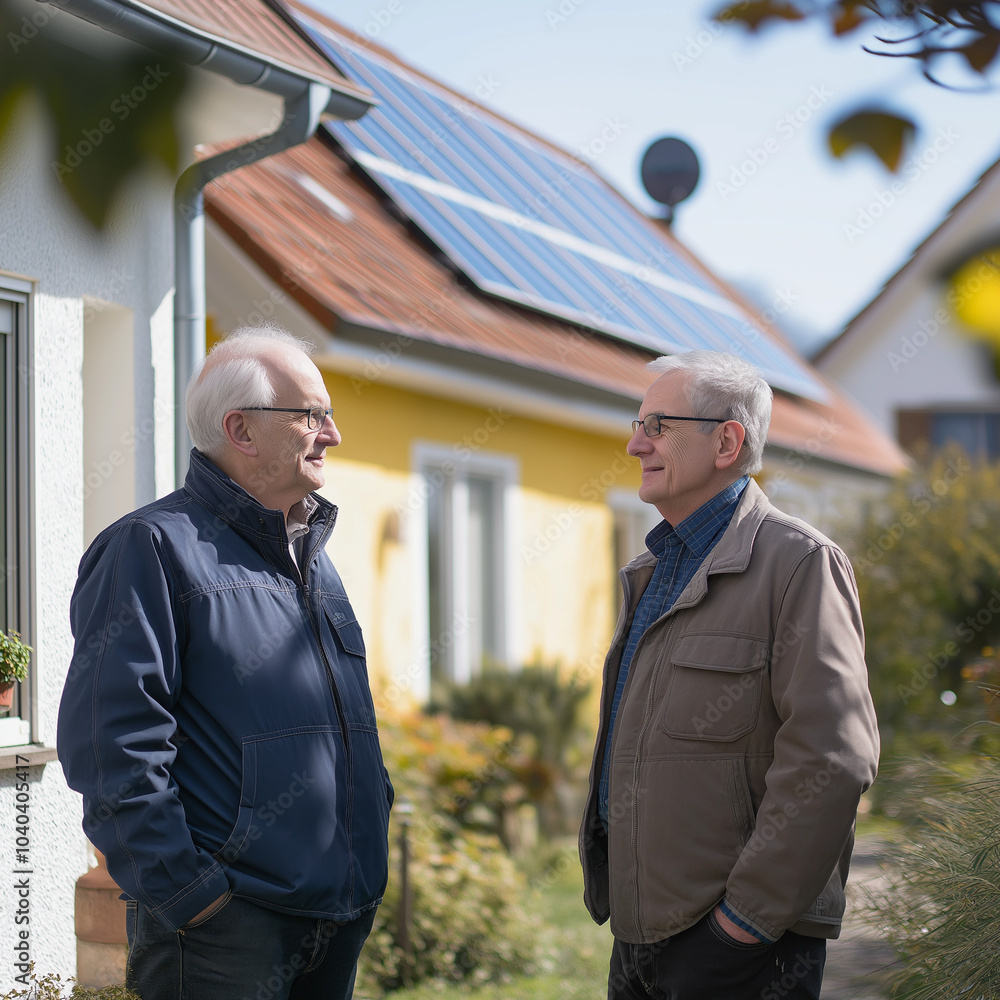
532 225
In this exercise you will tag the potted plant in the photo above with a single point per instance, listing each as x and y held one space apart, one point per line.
14 658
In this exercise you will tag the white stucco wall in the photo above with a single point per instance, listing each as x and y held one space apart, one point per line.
72 269
910 354
76 274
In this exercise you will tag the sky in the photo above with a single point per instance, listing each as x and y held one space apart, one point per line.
807 237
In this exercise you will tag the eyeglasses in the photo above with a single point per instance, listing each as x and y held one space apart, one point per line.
653 424
316 414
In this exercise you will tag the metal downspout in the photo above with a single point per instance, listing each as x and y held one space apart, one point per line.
301 119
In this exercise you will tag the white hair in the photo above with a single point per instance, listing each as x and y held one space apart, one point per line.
723 385
237 379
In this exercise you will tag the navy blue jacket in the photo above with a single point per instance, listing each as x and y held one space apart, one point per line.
217 715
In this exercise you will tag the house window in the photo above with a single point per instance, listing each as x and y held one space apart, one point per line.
977 432
467 577
15 506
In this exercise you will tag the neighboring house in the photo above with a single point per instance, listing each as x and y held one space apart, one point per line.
438 256
87 432
921 357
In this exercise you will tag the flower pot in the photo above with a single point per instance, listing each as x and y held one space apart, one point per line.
6 698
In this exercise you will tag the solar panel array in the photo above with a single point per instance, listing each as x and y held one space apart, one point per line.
532 225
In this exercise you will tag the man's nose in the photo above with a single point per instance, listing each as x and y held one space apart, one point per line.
328 434
638 443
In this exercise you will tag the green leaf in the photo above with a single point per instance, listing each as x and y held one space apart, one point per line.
886 135
754 14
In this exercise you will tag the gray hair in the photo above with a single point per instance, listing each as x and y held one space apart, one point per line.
723 385
236 379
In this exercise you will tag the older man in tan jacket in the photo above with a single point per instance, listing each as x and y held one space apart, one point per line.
737 733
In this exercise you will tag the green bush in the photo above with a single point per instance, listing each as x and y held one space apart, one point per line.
541 708
941 905
471 906
470 916
927 563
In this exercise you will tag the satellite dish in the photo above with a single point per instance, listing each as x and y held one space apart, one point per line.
670 172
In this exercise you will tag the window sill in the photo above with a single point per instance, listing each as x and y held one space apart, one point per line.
29 755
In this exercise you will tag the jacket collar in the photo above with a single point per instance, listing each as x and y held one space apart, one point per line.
730 555
262 527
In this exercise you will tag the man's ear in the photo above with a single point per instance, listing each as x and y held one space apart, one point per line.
730 443
240 433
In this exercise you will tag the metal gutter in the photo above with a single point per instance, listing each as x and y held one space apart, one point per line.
301 119
307 98
191 45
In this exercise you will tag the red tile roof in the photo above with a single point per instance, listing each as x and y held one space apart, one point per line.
257 25
373 272
377 272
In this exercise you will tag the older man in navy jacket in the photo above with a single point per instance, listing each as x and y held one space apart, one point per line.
217 715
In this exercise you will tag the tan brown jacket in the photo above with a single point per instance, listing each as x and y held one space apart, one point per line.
744 739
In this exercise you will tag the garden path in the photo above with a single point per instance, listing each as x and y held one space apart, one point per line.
857 962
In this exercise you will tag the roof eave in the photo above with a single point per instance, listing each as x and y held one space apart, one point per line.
155 30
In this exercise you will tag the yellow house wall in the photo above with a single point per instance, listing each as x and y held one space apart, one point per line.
566 596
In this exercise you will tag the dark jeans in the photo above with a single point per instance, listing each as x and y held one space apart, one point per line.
244 952
704 963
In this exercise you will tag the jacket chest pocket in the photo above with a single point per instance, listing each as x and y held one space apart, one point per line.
715 686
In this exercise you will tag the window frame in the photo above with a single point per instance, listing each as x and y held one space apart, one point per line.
917 427
18 399
460 464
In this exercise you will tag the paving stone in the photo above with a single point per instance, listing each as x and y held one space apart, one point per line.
858 962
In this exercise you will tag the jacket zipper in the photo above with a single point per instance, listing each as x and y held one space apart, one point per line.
602 737
306 594
635 775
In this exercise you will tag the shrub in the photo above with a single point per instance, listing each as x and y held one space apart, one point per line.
470 915
928 563
941 906
540 707
470 904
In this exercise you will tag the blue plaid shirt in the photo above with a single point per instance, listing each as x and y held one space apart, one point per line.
679 552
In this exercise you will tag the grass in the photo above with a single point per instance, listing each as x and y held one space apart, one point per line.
575 950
